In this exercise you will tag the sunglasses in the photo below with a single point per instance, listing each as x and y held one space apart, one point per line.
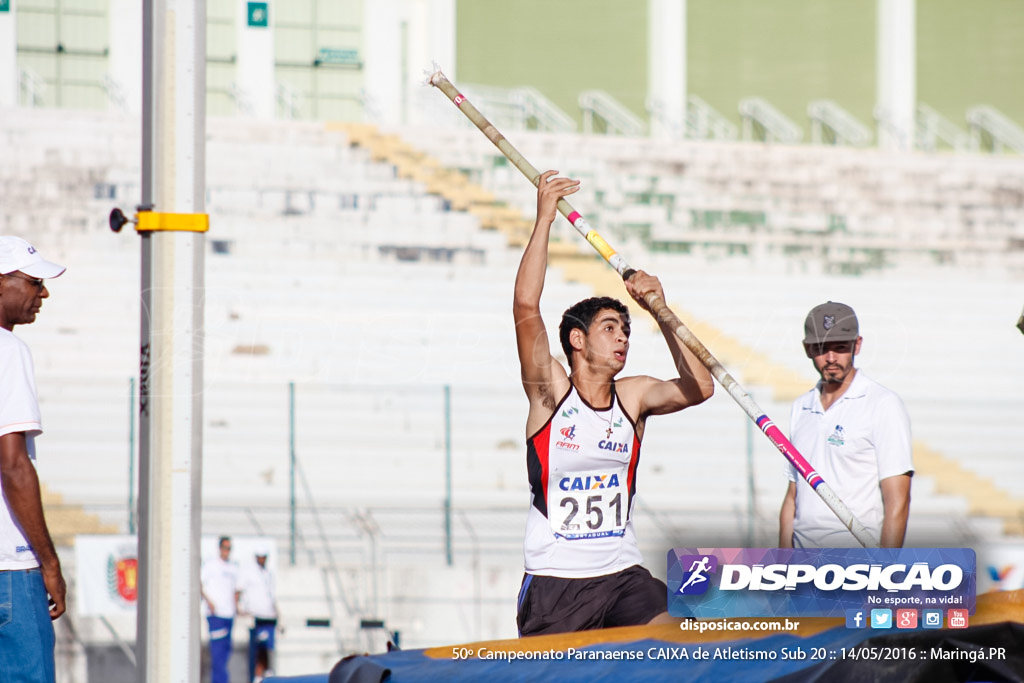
39 284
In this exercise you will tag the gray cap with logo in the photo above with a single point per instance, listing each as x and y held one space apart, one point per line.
830 322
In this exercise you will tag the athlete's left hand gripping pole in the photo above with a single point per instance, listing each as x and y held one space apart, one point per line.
663 313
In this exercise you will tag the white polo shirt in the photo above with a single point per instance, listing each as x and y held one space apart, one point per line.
220 583
257 587
19 412
862 438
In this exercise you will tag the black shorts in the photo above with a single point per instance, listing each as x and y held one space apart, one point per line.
549 604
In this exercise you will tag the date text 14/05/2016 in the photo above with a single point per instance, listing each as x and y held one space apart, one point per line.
873 653
930 654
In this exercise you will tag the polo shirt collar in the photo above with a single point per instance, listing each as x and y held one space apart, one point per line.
858 387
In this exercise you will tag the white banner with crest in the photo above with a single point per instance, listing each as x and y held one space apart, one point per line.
107 573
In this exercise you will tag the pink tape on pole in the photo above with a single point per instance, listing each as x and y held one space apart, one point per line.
574 216
789 450
459 99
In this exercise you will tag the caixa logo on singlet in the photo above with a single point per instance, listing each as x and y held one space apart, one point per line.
589 483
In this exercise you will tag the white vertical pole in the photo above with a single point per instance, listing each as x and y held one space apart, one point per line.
430 38
171 383
255 68
382 57
125 68
8 55
666 67
896 73
442 36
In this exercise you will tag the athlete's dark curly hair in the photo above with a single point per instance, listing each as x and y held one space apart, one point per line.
581 316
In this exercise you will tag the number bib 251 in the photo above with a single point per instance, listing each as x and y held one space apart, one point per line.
588 504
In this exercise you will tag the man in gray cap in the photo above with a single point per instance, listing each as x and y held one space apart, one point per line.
31 582
856 434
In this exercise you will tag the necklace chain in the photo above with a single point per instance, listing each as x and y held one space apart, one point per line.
606 420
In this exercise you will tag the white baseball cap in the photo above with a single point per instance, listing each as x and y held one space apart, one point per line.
262 548
17 254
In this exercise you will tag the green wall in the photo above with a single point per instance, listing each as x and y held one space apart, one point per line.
560 47
971 53
787 51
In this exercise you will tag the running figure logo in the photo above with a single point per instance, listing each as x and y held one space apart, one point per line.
695 580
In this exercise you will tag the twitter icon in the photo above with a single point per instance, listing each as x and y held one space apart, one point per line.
881 618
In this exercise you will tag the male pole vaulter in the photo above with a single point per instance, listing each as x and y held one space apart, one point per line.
584 430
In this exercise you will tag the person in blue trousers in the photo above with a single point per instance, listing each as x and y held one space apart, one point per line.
219 578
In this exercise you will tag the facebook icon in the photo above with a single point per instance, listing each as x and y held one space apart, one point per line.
855 618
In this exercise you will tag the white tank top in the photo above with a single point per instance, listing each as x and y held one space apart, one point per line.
582 471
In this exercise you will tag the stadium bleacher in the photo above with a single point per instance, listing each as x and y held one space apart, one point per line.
344 274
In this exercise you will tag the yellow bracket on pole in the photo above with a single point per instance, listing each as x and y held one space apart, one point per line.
150 221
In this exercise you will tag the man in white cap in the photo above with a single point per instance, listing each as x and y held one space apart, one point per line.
257 600
32 587
856 434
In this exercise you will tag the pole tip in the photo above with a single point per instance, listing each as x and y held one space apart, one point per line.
435 77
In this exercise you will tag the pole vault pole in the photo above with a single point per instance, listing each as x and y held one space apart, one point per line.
663 313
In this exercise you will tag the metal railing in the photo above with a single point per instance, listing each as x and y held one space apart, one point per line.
520 108
616 116
775 126
933 128
845 129
32 85
1000 129
704 122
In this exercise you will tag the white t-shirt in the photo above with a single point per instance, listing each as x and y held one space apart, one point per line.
862 438
220 582
19 412
257 588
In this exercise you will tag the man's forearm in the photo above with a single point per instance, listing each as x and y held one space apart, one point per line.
688 366
894 529
895 510
24 499
533 267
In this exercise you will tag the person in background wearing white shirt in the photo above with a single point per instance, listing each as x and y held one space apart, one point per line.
32 588
219 579
257 599
856 434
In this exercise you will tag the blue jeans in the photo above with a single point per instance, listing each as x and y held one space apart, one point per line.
220 648
26 630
